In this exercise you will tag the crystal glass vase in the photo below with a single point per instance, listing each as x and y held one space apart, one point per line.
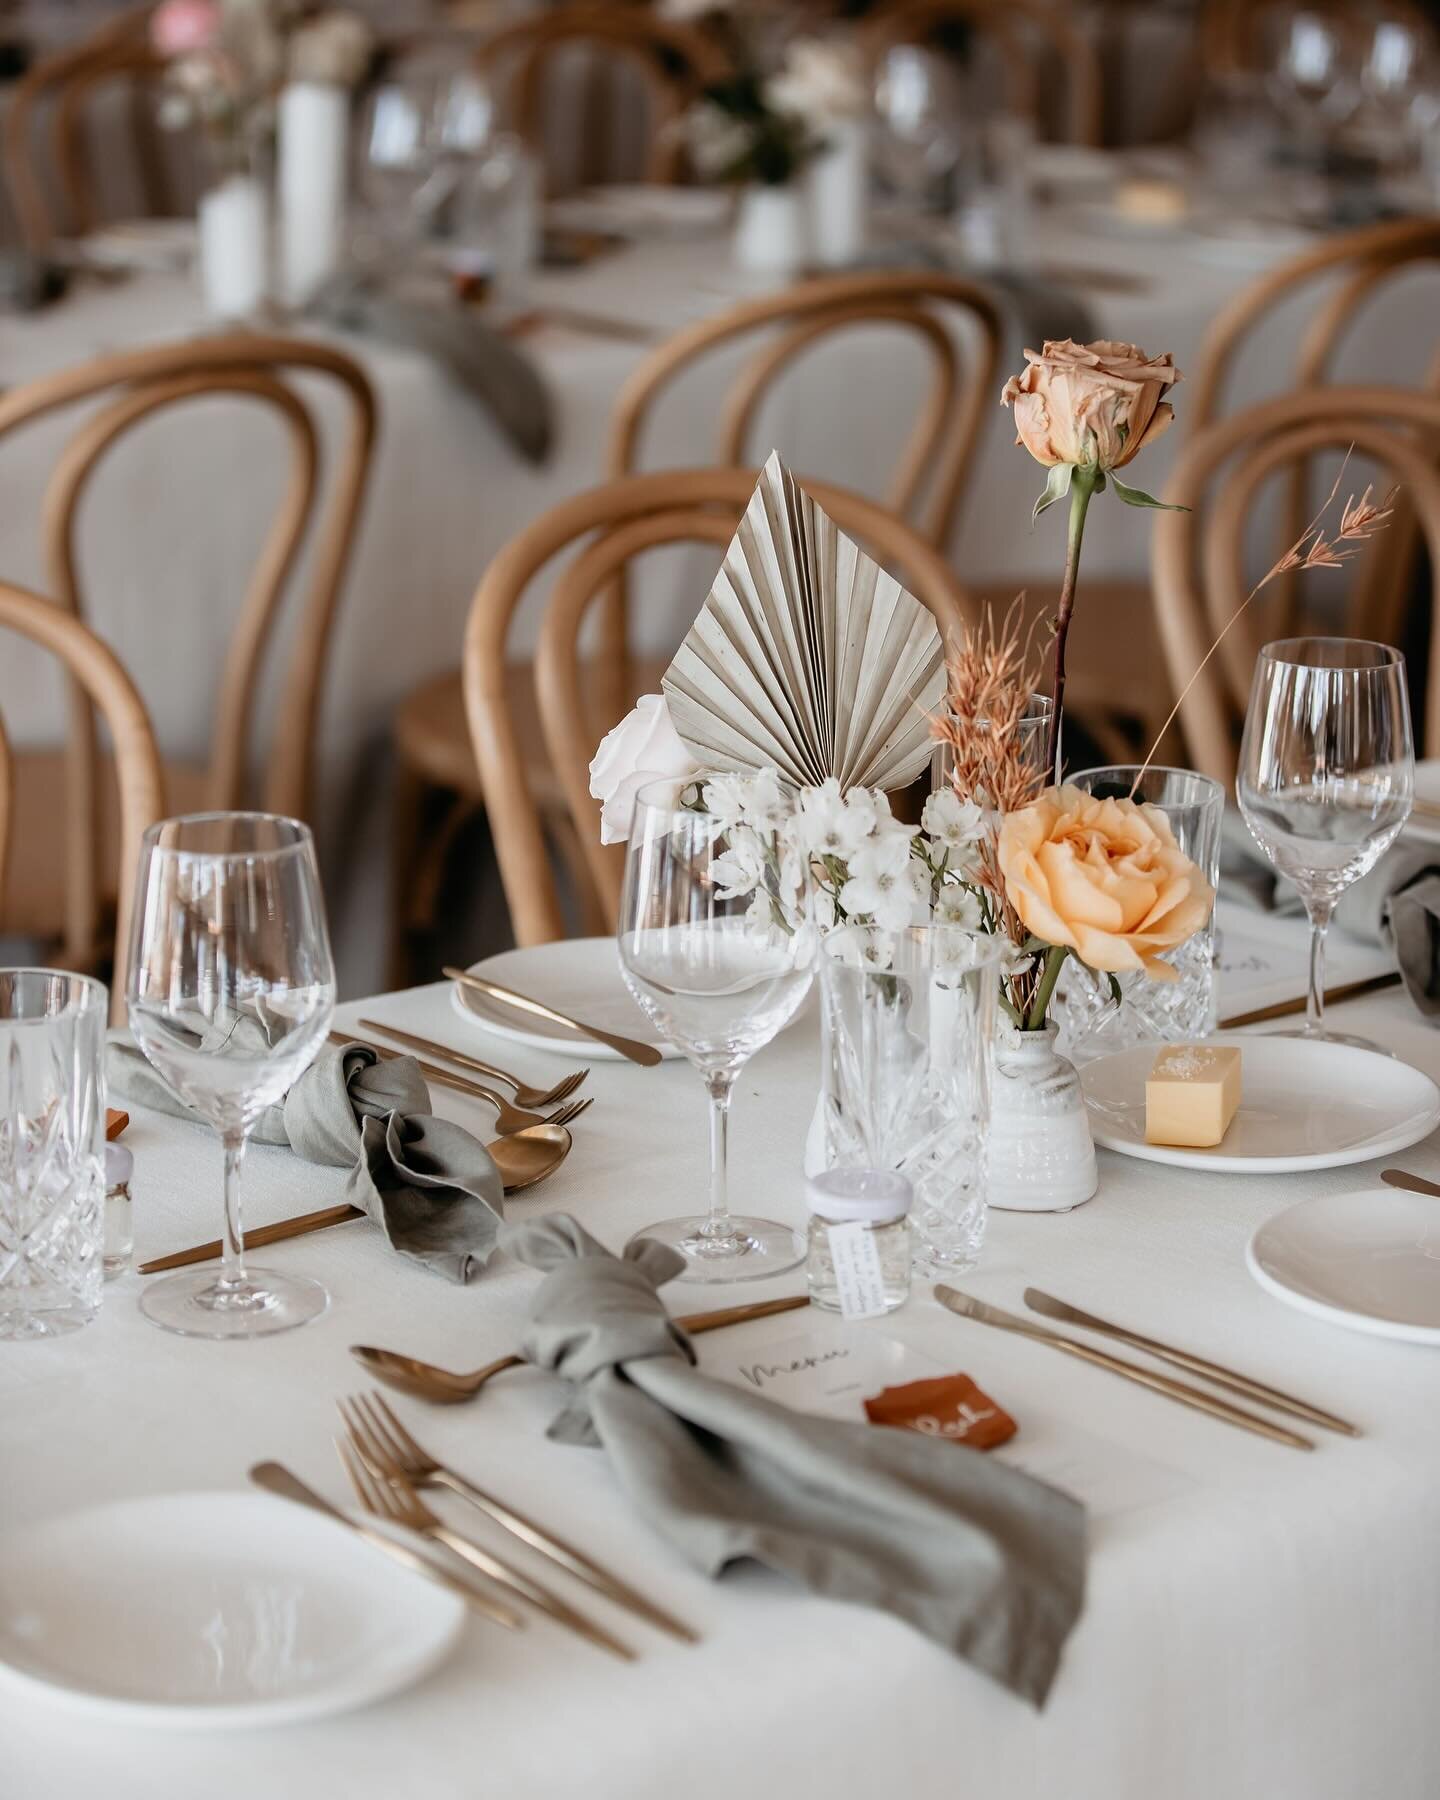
909 1021
52 1143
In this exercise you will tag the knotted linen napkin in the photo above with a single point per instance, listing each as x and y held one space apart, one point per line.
981 1557
430 1186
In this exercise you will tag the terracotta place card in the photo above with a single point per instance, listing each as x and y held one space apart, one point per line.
948 1406
115 1123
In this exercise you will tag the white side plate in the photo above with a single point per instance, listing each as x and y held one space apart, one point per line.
190 1612
579 976
1369 1260
1304 1106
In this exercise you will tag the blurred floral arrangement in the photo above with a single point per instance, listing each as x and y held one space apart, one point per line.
226 61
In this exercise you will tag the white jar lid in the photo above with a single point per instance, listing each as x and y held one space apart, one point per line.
850 1195
119 1165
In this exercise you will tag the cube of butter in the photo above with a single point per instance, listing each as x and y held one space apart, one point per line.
1192 1094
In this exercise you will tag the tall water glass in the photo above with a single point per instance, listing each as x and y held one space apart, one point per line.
718 973
909 1024
1327 776
1149 1011
52 1147
1031 740
231 993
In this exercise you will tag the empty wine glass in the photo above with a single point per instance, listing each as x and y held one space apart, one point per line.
718 971
918 103
1315 82
1327 774
231 992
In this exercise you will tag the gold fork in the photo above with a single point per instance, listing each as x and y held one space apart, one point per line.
421 1469
389 1495
508 1119
524 1094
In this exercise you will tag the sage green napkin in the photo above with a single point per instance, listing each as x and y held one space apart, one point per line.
984 1559
430 1186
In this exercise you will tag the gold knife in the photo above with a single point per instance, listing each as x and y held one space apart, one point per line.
970 1308
1289 1009
644 1054
1220 1377
1412 1184
275 1478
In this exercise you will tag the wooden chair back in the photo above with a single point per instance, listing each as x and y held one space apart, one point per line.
1199 564
95 668
137 385
673 62
606 528
1037 42
57 91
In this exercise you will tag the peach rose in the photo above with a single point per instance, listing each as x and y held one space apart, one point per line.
1105 878
1090 403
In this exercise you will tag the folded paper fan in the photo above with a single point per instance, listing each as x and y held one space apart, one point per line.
807 657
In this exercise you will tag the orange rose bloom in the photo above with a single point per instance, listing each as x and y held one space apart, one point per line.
1105 878
1090 403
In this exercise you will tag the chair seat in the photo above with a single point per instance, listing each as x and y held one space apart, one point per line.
32 893
433 737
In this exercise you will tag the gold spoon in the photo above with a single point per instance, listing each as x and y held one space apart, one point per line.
427 1382
523 1158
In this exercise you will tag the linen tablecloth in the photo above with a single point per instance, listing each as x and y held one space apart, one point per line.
1258 1622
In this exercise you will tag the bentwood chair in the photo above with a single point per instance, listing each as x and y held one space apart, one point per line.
606 529
98 672
1037 44
59 813
44 144
667 62
1202 573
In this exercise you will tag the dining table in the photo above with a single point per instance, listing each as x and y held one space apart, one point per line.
1256 1621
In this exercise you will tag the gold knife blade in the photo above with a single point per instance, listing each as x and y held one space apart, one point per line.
1412 1184
300 1226
431 1071
644 1054
970 1308
1289 1009
1229 1379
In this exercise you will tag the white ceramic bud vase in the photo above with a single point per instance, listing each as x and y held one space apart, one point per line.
771 236
1042 1158
234 226
314 136
839 180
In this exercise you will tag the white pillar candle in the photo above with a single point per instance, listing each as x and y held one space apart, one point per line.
314 128
233 247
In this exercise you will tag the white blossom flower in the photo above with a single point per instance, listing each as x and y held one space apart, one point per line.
951 821
829 823
739 869
764 804
885 883
957 904
723 797
822 80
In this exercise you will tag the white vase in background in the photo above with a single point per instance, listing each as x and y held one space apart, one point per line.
314 128
770 230
839 182
234 247
1042 1158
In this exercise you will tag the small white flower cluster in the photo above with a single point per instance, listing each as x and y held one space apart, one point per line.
865 865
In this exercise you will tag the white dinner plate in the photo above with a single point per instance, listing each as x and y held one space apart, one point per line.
1369 1260
1420 827
196 1611
1303 1106
579 976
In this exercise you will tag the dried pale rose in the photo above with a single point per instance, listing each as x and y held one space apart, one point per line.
1090 404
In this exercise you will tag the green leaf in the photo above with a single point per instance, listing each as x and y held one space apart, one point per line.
1135 497
1057 486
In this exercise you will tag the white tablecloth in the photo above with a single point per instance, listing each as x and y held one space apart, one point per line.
170 526
1258 1621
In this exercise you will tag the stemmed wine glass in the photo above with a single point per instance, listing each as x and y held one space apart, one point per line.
917 102
1327 775
230 995
719 973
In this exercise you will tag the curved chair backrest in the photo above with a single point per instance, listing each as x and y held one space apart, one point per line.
129 388
93 665
62 85
606 528
673 62
1199 570
1035 41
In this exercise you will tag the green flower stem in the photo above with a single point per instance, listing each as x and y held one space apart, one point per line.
1049 975
1086 480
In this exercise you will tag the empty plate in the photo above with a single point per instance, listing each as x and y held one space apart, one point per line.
1369 1260
197 1611
579 976
1303 1106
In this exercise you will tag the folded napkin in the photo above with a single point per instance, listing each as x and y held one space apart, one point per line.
494 371
430 1187
985 1559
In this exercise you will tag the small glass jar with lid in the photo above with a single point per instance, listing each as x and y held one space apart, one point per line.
858 1247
